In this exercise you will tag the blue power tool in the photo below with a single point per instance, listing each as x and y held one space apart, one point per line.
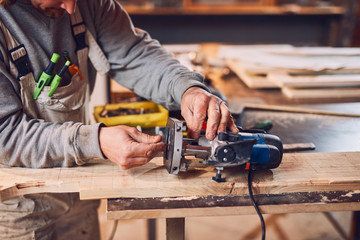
247 149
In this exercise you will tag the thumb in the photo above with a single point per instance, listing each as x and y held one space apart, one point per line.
145 138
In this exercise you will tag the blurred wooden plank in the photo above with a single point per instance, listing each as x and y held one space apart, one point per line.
314 79
314 93
257 79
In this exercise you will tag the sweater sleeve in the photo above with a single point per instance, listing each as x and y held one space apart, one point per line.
26 142
137 61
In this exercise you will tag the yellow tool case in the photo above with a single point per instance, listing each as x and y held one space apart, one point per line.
144 114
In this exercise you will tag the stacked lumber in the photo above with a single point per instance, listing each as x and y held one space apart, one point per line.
300 72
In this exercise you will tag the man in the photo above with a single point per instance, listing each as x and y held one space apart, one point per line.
51 130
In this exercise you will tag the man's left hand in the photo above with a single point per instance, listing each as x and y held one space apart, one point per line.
197 104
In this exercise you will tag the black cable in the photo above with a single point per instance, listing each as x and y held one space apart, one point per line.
255 206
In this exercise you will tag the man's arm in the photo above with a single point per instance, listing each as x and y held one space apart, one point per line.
35 143
137 61
26 142
143 65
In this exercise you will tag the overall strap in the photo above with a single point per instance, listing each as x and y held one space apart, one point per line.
84 38
78 30
17 53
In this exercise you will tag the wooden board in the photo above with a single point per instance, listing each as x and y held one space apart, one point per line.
257 79
253 63
314 79
313 93
263 58
300 202
299 172
317 51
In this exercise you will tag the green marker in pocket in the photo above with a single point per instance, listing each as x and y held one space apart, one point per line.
46 75
55 82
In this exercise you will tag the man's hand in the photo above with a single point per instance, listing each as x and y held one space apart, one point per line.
128 147
196 104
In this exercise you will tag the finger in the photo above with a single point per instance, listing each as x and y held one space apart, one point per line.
148 150
232 125
196 121
130 162
134 162
143 137
213 119
225 118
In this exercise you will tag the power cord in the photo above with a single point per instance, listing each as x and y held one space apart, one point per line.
255 205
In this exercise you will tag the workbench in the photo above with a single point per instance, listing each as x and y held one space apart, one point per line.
327 179
304 182
322 180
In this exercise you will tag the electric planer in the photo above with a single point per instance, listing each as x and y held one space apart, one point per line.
247 149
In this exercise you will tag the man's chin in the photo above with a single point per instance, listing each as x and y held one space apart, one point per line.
54 12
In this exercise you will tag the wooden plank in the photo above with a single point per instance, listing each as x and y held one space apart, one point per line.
239 9
264 59
257 79
298 147
293 109
314 79
318 51
341 93
123 204
128 208
299 172
230 211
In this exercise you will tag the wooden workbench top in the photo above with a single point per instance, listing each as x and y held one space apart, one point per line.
299 172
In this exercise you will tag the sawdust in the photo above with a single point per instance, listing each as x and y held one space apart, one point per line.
179 199
350 194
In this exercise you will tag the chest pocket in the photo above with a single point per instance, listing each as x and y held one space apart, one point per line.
70 102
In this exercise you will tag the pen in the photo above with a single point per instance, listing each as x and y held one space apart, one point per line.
46 75
55 82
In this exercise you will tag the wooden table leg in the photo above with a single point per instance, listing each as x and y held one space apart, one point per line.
175 229
355 228
151 224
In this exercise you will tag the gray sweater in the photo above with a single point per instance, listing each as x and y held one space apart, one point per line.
137 62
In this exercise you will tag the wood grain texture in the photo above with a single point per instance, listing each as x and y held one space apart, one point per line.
299 172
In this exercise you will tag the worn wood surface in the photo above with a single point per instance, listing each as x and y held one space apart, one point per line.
299 172
128 208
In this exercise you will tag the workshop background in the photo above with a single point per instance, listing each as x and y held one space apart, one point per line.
332 23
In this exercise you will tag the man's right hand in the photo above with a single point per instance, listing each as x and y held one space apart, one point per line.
128 147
